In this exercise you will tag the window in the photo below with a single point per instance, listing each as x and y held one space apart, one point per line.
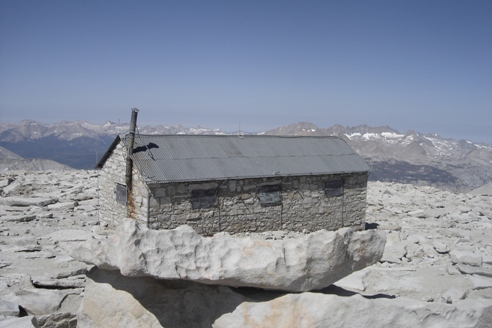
269 195
334 188
203 198
120 192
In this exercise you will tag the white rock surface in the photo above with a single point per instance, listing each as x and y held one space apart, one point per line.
394 250
437 246
320 310
148 302
424 225
35 272
9 309
38 301
308 262
21 201
464 257
24 322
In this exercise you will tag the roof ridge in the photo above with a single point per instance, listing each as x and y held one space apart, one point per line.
242 136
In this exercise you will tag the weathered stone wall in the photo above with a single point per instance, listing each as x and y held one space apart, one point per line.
304 205
113 172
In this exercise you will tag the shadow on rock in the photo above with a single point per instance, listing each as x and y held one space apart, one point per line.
113 300
339 291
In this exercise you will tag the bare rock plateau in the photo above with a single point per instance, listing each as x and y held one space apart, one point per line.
425 260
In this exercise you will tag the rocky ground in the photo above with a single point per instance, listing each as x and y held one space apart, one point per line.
439 244
436 268
40 211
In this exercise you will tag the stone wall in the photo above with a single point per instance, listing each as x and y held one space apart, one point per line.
304 205
236 208
113 173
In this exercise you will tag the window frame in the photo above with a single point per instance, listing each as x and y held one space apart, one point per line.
270 195
334 187
121 193
203 198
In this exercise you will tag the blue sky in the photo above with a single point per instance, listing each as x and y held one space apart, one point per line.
421 65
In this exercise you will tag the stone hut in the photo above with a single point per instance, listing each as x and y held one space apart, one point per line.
233 183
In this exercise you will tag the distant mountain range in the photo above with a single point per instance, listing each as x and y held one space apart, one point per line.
410 157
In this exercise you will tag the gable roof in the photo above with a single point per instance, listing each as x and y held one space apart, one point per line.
173 158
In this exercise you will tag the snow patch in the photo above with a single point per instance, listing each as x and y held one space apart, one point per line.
391 135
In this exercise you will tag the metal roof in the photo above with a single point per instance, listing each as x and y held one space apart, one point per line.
173 158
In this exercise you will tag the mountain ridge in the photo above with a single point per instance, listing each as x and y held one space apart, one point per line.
410 157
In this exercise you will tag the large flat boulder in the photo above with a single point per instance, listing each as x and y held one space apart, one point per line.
149 302
304 263
331 310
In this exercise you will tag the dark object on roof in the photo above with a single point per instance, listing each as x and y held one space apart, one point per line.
173 158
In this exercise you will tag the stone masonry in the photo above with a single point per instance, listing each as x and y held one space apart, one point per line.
303 204
113 173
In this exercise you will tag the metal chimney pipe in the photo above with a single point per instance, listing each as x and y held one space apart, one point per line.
131 141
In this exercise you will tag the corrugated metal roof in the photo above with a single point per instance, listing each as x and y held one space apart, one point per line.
171 158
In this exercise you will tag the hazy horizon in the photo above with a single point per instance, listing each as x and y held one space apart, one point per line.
238 127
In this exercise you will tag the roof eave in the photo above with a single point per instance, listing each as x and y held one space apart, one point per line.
150 181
